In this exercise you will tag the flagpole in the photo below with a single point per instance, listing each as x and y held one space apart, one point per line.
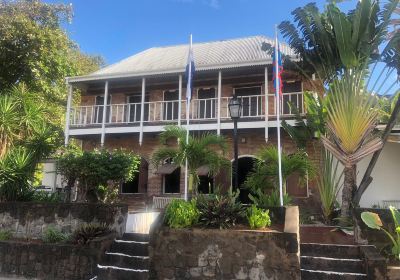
188 95
278 125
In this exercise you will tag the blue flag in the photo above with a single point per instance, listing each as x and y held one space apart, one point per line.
190 68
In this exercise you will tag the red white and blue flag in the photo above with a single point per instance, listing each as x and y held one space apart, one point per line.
278 69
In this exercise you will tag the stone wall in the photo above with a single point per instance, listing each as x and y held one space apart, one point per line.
51 261
30 220
225 254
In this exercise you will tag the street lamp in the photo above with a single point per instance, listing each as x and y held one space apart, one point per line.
235 109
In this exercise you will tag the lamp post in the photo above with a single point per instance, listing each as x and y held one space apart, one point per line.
235 109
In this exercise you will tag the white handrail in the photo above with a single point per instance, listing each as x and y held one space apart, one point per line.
167 111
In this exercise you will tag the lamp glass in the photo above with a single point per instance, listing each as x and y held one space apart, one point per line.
235 107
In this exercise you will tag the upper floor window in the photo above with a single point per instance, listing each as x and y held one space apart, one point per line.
206 103
251 98
171 104
133 113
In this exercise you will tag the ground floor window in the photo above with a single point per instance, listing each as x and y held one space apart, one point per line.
172 181
245 165
139 183
206 185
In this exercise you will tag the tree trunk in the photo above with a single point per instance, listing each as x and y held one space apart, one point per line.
348 190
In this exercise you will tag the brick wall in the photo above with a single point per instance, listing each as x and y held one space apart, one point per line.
250 142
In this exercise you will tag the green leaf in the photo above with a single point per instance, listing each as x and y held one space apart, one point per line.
372 220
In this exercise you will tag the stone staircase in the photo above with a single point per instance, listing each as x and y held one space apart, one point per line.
128 258
331 262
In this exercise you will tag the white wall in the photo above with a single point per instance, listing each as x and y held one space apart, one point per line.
386 177
50 177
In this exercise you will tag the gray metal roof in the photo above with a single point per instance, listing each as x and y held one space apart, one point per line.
173 59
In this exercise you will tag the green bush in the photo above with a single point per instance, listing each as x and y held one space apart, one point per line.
269 200
258 218
43 196
181 213
219 211
5 235
87 232
53 235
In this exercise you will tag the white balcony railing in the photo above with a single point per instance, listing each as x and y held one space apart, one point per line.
253 106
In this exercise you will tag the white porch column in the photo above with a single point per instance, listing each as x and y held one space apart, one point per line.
103 123
180 100
142 111
219 103
266 110
68 115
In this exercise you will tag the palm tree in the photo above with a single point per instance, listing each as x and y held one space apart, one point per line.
331 41
199 151
352 117
265 174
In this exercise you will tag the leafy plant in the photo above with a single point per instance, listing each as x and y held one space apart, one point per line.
219 211
96 168
5 235
272 199
199 151
181 214
43 196
266 172
53 235
87 232
329 185
352 116
372 220
258 218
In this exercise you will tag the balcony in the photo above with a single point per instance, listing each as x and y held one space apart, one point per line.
167 112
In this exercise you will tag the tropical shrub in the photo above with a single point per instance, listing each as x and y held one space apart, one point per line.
258 218
372 220
271 199
5 235
329 185
87 232
220 211
181 214
93 169
53 235
43 196
205 150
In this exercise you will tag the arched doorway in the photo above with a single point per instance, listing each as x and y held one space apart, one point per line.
139 183
245 166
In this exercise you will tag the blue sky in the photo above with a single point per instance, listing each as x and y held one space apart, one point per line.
120 28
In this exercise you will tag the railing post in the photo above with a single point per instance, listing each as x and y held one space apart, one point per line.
180 100
219 102
142 111
103 123
68 115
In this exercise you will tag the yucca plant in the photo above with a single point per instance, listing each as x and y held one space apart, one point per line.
87 232
205 150
329 184
352 117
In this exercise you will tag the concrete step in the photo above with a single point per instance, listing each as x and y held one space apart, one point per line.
330 250
126 261
132 248
136 237
307 274
332 264
114 272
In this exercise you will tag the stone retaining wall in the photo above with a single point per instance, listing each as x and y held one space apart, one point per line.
225 254
51 261
29 219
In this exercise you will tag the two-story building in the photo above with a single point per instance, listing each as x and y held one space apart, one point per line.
127 105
